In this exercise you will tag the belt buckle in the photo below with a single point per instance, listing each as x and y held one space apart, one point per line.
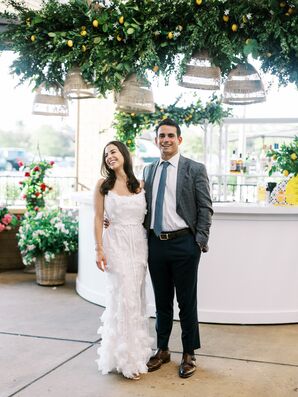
164 236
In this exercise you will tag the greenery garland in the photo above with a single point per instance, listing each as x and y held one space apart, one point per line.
112 40
129 125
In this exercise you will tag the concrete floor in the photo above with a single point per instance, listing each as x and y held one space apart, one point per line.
48 344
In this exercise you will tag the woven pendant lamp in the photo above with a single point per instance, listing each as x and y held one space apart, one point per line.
96 5
200 74
135 96
244 86
50 102
75 87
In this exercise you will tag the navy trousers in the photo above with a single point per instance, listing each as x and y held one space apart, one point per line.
173 265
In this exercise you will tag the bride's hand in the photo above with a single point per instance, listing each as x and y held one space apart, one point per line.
101 261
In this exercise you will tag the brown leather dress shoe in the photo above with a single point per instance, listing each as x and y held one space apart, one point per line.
160 357
188 366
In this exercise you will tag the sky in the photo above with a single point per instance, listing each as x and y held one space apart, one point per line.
17 105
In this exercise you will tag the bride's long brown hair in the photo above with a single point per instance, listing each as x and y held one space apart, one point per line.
132 183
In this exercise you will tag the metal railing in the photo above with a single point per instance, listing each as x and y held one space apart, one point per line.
62 188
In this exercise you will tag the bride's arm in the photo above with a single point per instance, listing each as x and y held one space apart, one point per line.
98 226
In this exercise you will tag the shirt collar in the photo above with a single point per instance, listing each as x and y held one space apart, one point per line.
173 160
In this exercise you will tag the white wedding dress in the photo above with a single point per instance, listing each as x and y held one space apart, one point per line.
126 344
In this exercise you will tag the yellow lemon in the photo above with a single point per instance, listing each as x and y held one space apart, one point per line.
84 48
234 27
199 2
33 37
132 114
282 4
95 23
247 41
290 10
226 18
285 172
170 35
155 69
274 157
294 156
129 141
119 38
83 27
121 19
268 54
180 28
69 43
83 33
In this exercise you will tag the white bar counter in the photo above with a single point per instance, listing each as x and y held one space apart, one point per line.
249 275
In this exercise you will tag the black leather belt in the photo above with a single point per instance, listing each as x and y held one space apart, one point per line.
172 235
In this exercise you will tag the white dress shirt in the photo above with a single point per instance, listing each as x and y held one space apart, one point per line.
171 220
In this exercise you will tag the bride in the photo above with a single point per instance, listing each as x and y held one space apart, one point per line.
121 252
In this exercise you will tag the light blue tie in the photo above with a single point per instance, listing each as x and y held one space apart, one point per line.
159 199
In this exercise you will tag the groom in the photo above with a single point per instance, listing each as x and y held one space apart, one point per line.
178 222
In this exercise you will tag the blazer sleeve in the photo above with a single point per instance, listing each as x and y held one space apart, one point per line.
204 205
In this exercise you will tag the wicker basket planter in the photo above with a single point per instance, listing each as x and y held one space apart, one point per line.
51 273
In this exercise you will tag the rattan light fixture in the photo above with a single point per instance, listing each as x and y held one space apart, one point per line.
75 87
244 86
135 96
50 102
200 74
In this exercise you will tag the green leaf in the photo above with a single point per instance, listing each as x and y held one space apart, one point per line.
96 40
52 34
105 27
130 30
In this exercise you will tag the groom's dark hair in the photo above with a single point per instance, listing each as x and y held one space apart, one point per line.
170 122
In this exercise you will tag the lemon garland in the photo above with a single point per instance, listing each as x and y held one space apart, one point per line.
109 42
129 125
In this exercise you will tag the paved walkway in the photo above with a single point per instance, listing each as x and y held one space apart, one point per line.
48 345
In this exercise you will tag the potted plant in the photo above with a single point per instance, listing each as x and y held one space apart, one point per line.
285 160
34 188
10 257
45 238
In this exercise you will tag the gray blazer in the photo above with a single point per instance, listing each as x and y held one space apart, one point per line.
194 203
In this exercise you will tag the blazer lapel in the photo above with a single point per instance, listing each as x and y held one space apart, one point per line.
151 176
181 172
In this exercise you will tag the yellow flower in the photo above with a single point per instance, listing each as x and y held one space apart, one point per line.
285 172
170 35
226 18
234 27
121 19
69 43
199 2
95 23
83 33
294 156
33 37
155 69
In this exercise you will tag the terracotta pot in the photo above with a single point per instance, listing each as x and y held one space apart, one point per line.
10 256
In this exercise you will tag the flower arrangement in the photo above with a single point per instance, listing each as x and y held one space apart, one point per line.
34 189
110 39
47 233
285 159
7 220
129 125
